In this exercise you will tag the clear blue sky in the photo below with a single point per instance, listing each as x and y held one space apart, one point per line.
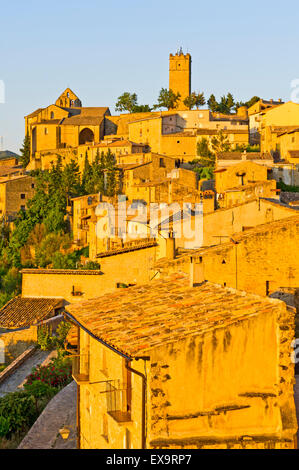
101 49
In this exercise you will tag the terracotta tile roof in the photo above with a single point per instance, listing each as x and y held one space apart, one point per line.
35 113
244 187
224 131
283 129
138 245
9 170
131 166
228 117
48 122
82 120
80 272
119 143
93 110
238 156
135 320
26 311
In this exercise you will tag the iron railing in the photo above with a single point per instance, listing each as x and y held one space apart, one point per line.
118 397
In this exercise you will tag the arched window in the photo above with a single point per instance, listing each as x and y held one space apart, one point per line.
52 115
86 135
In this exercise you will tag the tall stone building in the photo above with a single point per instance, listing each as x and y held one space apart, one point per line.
180 75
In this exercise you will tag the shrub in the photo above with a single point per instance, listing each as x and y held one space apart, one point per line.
44 338
47 341
39 390
58 373
18 409
4 426
62 332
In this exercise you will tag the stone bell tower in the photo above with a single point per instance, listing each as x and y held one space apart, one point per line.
180 75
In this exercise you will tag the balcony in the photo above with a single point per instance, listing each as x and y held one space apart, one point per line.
118 401
80 368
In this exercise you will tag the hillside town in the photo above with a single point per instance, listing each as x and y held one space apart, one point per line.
149 270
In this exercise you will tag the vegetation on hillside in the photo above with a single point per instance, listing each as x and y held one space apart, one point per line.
41 235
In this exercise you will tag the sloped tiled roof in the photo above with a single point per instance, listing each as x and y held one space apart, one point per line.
135 320
23 312
249 156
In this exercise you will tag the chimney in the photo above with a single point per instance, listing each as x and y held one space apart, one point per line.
170 246
196 271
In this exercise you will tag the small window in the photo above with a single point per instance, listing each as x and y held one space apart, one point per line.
23 196
32 185
46 131
178 141
23 208
52 115
162 163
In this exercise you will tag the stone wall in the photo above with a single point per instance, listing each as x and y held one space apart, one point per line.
17 342
241 391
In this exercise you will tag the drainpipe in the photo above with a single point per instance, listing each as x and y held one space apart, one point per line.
134 371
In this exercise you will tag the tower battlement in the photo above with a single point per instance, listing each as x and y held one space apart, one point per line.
180 75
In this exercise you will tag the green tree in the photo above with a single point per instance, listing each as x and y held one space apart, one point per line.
126 102
70 180
39 390
252 101
25 151
111 174
207 157
204 172
220 143
213 104
189 101
199 100
87 177
195 100
167 99
98 171
4 234
142 108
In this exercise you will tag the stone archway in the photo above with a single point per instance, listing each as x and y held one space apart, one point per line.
86 136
